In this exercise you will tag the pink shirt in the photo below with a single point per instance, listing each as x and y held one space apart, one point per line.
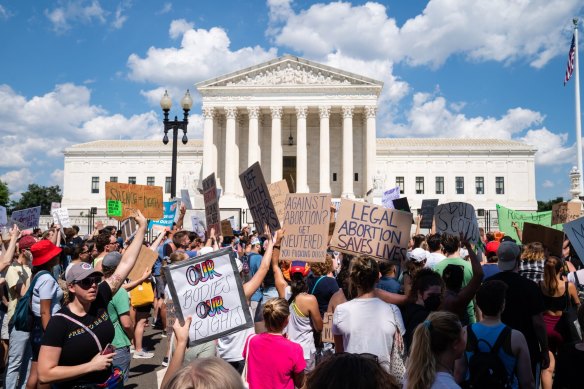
272 360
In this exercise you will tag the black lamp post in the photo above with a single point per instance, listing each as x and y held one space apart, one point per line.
175 125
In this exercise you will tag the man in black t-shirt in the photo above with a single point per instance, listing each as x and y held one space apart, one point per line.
524 305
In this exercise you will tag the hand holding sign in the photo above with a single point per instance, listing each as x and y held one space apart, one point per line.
181 330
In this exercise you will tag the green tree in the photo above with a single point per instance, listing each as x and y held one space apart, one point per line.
4 194
547 205
38 195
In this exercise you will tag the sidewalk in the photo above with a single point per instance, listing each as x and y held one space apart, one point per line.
143 372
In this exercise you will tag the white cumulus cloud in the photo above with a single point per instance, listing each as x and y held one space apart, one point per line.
73 11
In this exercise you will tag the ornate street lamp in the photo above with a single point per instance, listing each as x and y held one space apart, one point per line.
175 125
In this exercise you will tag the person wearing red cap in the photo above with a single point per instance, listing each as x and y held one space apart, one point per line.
491 268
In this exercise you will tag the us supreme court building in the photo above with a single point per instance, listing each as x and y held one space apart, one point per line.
314 126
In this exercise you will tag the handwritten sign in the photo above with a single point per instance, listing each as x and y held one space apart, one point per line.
208 288
185 198
55 205
373 230
226 228
551 238
61 217
278 191
197 226
115 208
326 335
146 198
145 260
27 218
3 216
565 212
428 207
258 198
508 216
128 228
388 197
457 218
211 203
574 231
307 220
170 210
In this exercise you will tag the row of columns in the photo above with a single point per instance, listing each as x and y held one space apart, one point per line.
254 152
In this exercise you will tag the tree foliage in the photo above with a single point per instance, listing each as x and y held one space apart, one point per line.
4 194
38 195
547 205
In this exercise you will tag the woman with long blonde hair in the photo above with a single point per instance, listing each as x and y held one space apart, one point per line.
438 342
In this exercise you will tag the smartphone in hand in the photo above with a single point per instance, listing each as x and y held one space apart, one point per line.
108 349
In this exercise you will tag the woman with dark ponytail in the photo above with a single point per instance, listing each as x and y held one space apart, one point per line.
304 314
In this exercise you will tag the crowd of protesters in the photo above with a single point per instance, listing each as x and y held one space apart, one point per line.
452 314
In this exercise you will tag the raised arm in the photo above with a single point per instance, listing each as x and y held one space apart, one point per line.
154 246
9 253
279 279
518 231
467 293
252 285
181 217
418 220
391 298
130 255
181 333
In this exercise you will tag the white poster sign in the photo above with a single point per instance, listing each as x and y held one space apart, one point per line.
389 196
61 217
198 226
185 198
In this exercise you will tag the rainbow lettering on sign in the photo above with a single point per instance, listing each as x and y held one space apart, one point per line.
211 307
201 272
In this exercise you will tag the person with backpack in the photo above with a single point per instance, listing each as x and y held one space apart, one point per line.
496 356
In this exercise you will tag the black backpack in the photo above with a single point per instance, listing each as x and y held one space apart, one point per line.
486 370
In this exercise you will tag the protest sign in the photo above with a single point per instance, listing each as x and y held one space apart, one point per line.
211 203
170 209
226 228
145 260
401 204
388 197
258 198
61 217
565 212
55 205
27 218
508 216
551 238
128 228
146 198
327 328
574 231
307 220
278 191
208 288
428 207
185 198
3 216
198 227
457 218
373 230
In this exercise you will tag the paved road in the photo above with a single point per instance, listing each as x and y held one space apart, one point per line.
143 372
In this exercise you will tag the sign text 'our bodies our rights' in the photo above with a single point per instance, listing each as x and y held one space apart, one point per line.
368 229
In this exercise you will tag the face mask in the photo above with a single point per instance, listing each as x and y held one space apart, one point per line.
432 302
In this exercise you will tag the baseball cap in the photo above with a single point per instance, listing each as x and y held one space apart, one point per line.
508 252
26 242
112 259
80 271
417 255
299 267
43 251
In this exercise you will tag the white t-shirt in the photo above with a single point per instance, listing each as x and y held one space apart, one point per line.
368 326
46 288
580 273
442 381
432 259
230 347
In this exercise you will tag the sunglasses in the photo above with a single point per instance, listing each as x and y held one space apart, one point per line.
88 282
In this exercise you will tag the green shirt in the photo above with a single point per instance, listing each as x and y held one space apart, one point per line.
119 305
439 268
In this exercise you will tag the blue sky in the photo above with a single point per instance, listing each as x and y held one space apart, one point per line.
74 71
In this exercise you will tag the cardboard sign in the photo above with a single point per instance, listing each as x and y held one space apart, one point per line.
565 212
145 260
402 204
226 228
208 288
574 231
278 191
307 221
326 335
128 228
185 198
27 218
170 209
427 212
258 198
363 228
551 238
197 226
388 197
3 216
211 203
146 198
457 218
508 216
61 217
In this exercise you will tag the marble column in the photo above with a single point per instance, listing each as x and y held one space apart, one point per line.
301 151
347 154
276 149
253 139
231 163
209 148
325 153
370 146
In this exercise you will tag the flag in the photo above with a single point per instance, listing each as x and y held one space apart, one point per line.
571 55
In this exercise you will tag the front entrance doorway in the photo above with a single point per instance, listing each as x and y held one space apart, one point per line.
289 173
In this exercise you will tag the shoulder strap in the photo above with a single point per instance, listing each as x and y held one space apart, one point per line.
82 326
316 283
500 339
247 355
471 339
34 280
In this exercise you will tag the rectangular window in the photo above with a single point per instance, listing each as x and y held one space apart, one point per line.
480 185
439 185
459 185
419 185
113 179
334 177
150 181
500 185
400 181
94 184
167 184
356 176
131 180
